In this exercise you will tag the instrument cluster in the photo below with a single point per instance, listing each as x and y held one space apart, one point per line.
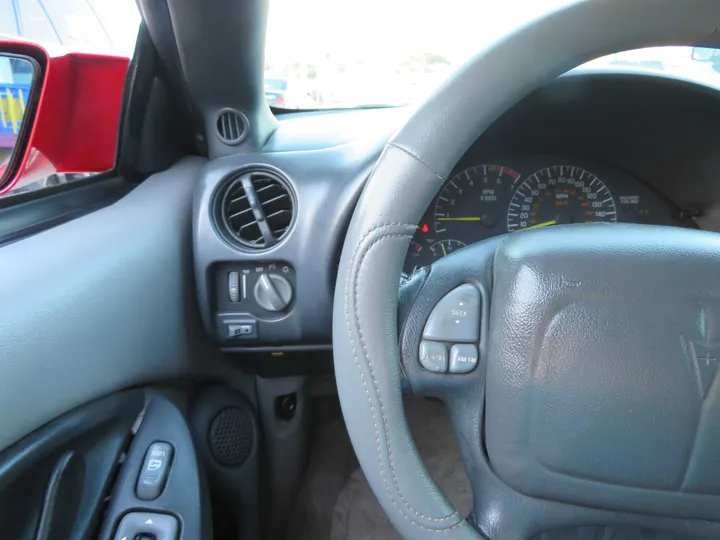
511 196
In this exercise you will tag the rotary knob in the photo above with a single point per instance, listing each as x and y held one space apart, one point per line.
273 292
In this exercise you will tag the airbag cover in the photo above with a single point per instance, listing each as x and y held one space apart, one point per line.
601 385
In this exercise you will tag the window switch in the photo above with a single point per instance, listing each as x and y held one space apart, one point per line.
147 526
154 472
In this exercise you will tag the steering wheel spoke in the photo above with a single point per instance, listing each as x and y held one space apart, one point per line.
443 319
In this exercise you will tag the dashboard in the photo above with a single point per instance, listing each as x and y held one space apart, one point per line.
587 147
499 195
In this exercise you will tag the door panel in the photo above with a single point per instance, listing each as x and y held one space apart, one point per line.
53 482
98 304
81 475
182 495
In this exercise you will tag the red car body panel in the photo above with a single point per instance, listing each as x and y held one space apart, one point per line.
75 128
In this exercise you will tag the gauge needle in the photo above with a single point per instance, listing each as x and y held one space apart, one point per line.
443 248
460 219
543 224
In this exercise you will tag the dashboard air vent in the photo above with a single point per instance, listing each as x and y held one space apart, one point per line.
256 209
231 126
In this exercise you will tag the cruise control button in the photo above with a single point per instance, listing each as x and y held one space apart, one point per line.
434 356
456 317
463 358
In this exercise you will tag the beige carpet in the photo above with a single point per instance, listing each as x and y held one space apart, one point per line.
336 503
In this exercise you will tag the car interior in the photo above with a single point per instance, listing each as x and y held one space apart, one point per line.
491 315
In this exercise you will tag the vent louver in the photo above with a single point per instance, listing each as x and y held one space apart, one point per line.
231 126
256 209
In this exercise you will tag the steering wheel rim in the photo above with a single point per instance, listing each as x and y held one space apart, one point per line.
412 168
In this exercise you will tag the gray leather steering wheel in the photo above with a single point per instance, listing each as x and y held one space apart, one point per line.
595 400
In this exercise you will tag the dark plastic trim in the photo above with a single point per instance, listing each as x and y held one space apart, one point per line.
243 121
285 348
219 200
30 54
54 207
88 438
54 495
184 495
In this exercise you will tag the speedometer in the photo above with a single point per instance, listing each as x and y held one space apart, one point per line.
557 195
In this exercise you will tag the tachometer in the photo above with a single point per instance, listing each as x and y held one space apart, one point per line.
559 195
471 204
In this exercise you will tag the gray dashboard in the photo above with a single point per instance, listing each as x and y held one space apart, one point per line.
326 170
650 138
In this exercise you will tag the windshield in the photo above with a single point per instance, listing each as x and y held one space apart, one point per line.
350 53
94 26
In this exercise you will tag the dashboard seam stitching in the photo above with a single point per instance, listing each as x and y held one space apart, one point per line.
354 272
418 158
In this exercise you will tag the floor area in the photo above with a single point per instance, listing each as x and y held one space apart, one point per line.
336 502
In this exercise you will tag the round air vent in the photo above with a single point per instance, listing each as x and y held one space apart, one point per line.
231 126
255 209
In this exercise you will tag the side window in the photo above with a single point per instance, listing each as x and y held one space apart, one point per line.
50 150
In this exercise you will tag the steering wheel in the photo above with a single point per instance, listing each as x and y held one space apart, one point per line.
582 359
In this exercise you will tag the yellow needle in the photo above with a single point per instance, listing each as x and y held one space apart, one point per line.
543 224
460 219
443 248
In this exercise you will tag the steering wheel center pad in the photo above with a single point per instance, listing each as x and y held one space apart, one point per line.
601 368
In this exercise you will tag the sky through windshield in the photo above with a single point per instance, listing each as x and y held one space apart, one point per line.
348 53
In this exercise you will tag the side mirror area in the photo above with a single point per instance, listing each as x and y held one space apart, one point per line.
704 54
59 112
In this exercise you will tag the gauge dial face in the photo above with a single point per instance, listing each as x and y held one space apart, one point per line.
471 203
419 255
445 247
557 195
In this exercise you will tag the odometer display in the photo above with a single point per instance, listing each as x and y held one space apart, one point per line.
559 195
